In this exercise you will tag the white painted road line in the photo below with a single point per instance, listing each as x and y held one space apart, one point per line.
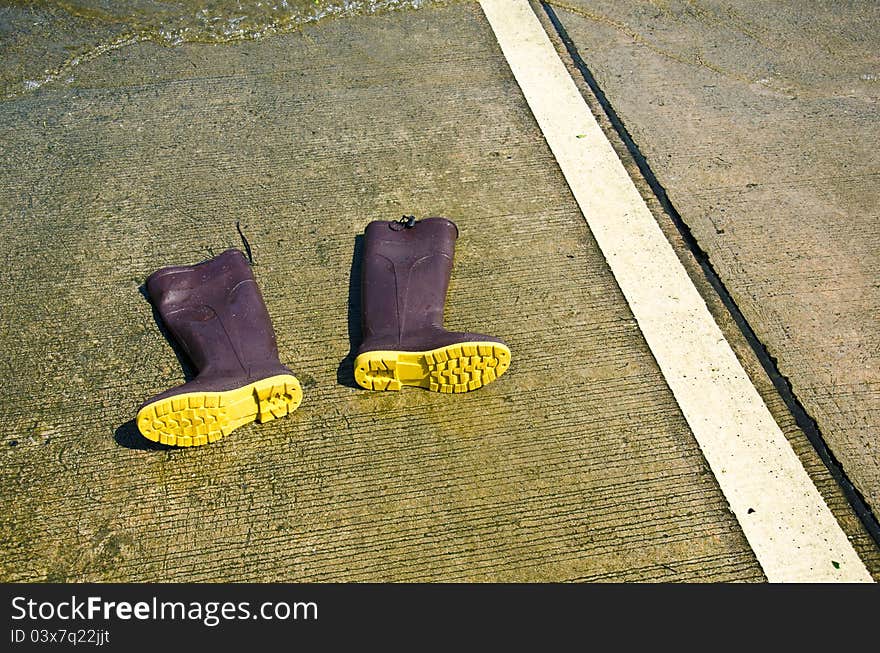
787 523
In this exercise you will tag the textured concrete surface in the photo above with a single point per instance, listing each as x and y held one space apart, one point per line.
575 465
761 122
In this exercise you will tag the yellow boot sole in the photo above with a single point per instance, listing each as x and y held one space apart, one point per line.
455 368
196 418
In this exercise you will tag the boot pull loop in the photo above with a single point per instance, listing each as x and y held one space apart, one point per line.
405 222
244 240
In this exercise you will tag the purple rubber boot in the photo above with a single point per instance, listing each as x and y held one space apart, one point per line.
215 312
407 265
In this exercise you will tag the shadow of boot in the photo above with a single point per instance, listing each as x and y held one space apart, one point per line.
345 371
129 437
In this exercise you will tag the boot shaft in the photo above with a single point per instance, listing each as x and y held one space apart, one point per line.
405 277
215 311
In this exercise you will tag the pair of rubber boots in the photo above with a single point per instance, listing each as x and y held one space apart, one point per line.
215 312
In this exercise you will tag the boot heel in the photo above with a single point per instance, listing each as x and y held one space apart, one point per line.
276 397
452 369
197 418
379 370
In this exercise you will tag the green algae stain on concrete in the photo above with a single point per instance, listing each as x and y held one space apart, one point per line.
42 42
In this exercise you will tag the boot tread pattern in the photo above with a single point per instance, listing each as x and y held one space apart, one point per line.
452 369
198 418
